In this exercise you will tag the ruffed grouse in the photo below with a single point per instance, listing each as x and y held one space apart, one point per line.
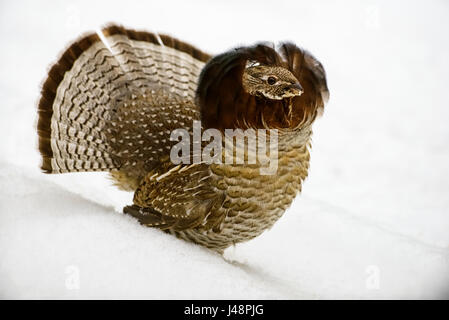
112 100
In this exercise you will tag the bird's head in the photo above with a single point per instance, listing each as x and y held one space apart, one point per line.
261 87
271 82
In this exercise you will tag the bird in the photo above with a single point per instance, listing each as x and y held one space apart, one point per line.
115 96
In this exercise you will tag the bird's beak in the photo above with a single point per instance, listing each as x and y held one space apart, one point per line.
296 89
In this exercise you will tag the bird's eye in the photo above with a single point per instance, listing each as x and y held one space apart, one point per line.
271 80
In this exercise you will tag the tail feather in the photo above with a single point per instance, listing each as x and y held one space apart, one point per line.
93 76
53 145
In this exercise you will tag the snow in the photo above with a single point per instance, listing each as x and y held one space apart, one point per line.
371 222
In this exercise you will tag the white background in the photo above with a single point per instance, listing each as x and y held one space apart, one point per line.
372 221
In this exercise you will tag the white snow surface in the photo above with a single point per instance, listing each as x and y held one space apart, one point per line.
372 221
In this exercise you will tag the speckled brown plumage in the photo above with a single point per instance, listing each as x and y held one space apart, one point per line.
112 100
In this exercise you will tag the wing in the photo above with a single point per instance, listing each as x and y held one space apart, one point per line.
179 198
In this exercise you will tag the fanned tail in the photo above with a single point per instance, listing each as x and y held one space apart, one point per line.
94 75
